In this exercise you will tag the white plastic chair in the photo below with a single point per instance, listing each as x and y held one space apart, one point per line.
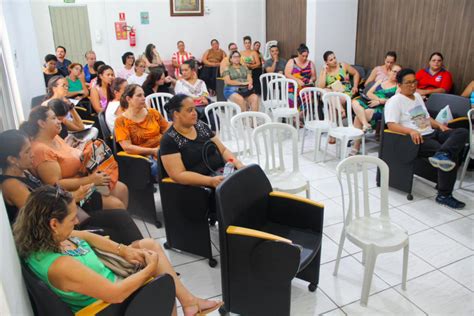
157 101
309 104
264 83
269 142
222 113
373 234
266 53
470 154
341 133
279 100
244 124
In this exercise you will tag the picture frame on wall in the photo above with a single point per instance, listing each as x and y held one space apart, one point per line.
187 7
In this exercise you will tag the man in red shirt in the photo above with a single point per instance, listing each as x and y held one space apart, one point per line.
434 78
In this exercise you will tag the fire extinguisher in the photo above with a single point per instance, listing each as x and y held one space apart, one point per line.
133 37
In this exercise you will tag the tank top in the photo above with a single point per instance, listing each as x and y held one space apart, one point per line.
215 56
40 262
472 98
31 183
102 98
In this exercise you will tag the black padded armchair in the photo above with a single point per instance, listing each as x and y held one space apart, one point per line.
157 298
185 212
266 239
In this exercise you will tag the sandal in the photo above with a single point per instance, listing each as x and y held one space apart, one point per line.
206 311
367 129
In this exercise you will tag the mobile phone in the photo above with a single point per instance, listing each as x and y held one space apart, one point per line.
88 196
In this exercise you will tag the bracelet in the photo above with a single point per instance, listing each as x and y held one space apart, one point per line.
119 247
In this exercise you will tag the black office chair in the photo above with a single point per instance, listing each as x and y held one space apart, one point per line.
266 239
457 104
105 131
155 298
35 101
185 212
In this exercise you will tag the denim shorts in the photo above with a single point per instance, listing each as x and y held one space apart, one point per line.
230 90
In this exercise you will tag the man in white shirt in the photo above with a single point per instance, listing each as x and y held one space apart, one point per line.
406 113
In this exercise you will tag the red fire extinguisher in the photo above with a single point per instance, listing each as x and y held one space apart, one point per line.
133 37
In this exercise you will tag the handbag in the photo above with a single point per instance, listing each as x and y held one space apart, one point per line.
244 91
98 157
117 264
212 158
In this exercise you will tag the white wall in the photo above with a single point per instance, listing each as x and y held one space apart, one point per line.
17 302
21 52
331 25
226 20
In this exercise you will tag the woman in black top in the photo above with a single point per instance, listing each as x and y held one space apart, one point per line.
182 145
156 81
17 182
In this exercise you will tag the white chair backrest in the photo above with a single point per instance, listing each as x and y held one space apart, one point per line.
280 93
157 101
244 124
355 169
222 113
266 53
334 106
310 98
265 80
270 142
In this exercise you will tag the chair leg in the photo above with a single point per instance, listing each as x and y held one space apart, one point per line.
368 274
308 193
363 144
326 148
405 267
364 253
464 169
344 148
302 140
317 140
339 251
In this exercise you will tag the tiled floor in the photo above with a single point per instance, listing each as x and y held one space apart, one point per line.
440 266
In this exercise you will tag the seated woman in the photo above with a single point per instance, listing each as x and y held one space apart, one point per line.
434 78
335 76
179 58
368 112
96 67
139 76
182 146
157 81
58 89
77 85
300 69
50 69
17 183
101 93
190 85
469 92
212 59
239 84
89 71
113 109
65 259
381 73
128 60
152 58
55 162
252 61
139 129
225 63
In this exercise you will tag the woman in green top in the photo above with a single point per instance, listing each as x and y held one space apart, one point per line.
335 76
77 83
65 260
239 84
369 112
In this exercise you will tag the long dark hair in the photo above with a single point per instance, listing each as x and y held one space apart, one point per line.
31 126
153 77
149 52
100 71
31 229
12 142
129 92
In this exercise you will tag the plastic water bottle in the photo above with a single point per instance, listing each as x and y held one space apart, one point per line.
228 168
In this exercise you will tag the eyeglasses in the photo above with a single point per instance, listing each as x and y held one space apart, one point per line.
410 83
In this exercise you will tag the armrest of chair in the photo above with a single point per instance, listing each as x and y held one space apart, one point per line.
93 309
398 146
242 231
88 122
295 211
124 154
459 122
134 170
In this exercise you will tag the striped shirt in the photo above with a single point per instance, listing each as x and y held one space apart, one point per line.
180 59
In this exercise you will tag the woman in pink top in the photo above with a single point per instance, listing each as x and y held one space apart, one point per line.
55 162
179 58
381 73
101 94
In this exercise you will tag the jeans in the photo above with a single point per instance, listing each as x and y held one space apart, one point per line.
451 142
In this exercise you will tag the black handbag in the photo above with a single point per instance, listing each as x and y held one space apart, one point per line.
245 92
212 158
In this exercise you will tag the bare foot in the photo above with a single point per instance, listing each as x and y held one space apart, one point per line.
201 305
